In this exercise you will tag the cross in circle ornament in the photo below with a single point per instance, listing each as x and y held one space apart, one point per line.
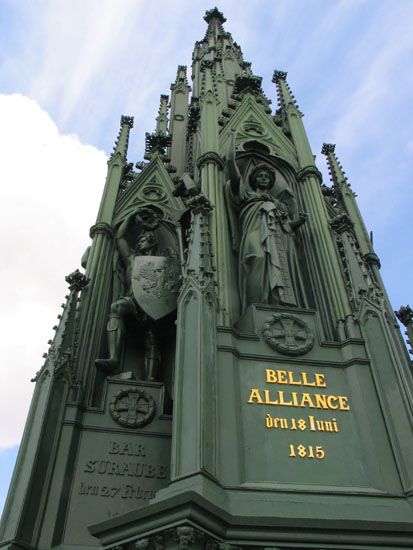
132 408
288 334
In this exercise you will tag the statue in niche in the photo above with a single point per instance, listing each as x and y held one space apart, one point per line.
269 270
145 290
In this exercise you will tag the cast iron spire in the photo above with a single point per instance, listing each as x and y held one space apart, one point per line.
122 141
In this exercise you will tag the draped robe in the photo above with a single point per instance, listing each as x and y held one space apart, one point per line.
268 262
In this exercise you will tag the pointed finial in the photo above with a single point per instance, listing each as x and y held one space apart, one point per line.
214 13
160 139
279 75
199 259
405 315
328 148
76 280
122 141
162 118
246 66
284 93
337 174
126 121
181 77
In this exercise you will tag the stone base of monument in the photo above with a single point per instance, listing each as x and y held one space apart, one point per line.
293 462
259 520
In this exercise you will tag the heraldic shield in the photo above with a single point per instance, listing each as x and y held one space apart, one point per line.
155 284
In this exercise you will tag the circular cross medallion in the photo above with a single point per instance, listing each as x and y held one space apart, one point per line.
288 334
132 408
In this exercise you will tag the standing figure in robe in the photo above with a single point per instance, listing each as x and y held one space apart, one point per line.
269 270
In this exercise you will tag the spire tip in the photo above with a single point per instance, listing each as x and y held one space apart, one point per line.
126 120
214 13
327 148
279 75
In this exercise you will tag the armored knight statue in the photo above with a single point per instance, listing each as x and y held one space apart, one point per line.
269 270
145 290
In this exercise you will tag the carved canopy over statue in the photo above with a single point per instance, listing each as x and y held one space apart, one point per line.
268 219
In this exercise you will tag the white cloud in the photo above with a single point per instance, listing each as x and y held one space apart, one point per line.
50 190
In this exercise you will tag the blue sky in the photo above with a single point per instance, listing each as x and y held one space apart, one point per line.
68 70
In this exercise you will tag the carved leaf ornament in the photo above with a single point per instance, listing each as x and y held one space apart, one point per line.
288 334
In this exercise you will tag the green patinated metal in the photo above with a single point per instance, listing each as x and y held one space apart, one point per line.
228 372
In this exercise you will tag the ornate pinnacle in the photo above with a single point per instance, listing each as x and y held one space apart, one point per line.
342 223
337 174
181 77
128 120
76 280
245 81
214 14
328 148
122 141
405 315
162 118
199 252
156 142
247 68
200 203
284 93
160 139
279 75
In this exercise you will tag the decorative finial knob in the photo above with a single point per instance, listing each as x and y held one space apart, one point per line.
214 13
128 120
76 280
405 315
327 148
279 75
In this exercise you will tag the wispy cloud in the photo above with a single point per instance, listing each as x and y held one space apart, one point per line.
378 92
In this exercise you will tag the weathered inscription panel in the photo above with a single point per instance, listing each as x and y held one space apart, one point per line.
115 473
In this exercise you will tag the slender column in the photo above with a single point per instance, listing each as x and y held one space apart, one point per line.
310 179
193 441
179 119
210 165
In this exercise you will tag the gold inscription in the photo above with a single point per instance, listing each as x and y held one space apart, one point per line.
307 451
299 399
296 399
310 423
288 377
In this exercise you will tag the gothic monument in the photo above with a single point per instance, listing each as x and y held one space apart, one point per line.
227 373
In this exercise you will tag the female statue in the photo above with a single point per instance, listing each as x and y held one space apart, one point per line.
268 263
